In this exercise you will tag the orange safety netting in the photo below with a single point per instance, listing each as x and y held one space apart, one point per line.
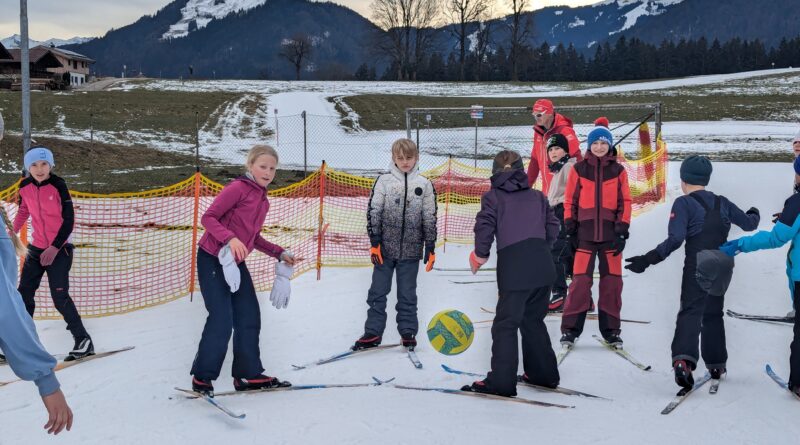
136 250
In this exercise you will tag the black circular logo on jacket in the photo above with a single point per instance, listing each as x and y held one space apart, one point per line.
418 191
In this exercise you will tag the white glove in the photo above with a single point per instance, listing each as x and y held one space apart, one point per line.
229 267
281 289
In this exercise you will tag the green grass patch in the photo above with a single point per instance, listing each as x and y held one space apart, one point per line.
136 110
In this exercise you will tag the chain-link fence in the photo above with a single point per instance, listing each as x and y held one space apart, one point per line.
97 154
478 133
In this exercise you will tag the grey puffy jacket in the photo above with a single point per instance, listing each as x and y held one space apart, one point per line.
401 215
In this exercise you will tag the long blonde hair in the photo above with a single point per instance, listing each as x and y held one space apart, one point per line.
18 246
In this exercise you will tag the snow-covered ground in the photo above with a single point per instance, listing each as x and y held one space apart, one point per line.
128 398
475 89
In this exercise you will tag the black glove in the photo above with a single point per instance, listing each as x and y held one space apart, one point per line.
618 245
572 241
753 211
776 217
637 263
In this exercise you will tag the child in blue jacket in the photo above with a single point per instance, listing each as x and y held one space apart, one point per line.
18 340
786 229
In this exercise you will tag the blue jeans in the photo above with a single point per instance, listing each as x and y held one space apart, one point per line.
237 312
406 296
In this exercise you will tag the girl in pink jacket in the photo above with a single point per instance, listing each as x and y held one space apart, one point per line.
45 200
233 229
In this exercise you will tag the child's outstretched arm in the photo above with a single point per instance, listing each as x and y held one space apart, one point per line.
784 230
748 221
676 234
18 340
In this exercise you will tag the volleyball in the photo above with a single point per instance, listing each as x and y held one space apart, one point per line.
450 332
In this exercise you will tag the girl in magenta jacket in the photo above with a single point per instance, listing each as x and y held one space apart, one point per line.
45 200
233 229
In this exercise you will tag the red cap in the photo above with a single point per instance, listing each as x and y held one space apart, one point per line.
601 121
543 106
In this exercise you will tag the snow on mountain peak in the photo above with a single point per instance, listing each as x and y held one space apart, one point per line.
14 41
641 8
200 12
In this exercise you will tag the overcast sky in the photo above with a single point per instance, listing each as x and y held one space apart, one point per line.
70 18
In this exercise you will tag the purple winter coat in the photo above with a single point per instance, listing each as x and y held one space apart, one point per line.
238 211
525 227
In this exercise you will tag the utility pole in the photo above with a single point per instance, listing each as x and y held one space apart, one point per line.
26 76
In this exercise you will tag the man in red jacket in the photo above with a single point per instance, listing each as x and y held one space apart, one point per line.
548 123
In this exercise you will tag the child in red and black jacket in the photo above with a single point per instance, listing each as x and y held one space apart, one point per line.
597 214
44 198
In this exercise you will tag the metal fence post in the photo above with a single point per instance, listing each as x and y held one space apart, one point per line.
91 152
408 123
305 145
418 134
476 144
197 140
658 121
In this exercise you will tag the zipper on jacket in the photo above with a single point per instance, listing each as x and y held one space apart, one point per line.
41 216
598 199
403 223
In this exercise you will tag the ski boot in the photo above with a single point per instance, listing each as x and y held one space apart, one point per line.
480 386
556 303
202 386
409 341
83 348
717 373
683 374
367 341
525 379
259 382
613 340
568 339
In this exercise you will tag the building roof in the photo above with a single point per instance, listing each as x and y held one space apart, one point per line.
4 54
69 54
39 55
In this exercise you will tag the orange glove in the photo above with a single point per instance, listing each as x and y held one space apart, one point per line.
429 257
475 262
429 261
375 255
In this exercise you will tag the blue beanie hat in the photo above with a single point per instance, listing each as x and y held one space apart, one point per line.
797 165
696 170
600 133
39 154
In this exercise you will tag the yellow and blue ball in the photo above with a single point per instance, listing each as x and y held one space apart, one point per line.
450 332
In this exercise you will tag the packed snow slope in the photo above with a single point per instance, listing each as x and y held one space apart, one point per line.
128 398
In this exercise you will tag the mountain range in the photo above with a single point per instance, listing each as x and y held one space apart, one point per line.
242 38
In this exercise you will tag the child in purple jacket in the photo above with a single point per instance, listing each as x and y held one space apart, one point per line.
233 229
525 227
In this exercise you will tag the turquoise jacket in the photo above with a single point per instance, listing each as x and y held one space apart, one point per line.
785 230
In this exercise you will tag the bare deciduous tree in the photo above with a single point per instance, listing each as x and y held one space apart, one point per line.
461 13
406 32
520 30
297 51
